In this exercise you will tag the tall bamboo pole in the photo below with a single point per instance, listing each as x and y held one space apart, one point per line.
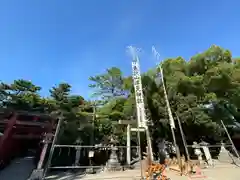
171 120
183 138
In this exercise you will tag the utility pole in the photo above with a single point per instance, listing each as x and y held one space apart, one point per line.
141 114
171 120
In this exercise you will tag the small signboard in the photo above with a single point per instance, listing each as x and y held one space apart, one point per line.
126 122
138 129
91 154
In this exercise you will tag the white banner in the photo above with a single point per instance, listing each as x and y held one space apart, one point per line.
136 75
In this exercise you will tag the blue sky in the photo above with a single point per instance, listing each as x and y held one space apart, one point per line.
52 41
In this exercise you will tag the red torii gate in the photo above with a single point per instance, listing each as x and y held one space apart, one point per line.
19 127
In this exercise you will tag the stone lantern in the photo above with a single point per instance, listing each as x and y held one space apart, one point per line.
113 163
197 151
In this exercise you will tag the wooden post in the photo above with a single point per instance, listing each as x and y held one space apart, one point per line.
44 150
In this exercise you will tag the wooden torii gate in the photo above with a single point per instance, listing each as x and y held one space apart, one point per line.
19 126
129 124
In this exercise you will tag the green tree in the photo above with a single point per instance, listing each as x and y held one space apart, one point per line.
201 91
21 95
72 107
109 85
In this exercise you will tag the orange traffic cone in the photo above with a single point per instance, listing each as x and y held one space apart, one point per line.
198 171
164 173
198 174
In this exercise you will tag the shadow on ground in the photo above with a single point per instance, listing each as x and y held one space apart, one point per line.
65 176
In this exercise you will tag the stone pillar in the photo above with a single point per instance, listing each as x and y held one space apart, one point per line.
161 150
78 156
128 144
207 153
78 151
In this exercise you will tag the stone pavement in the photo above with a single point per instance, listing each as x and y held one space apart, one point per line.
124 175
19 169
227 172
223 173
218 173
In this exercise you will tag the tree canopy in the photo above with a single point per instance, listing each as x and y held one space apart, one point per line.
201 91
